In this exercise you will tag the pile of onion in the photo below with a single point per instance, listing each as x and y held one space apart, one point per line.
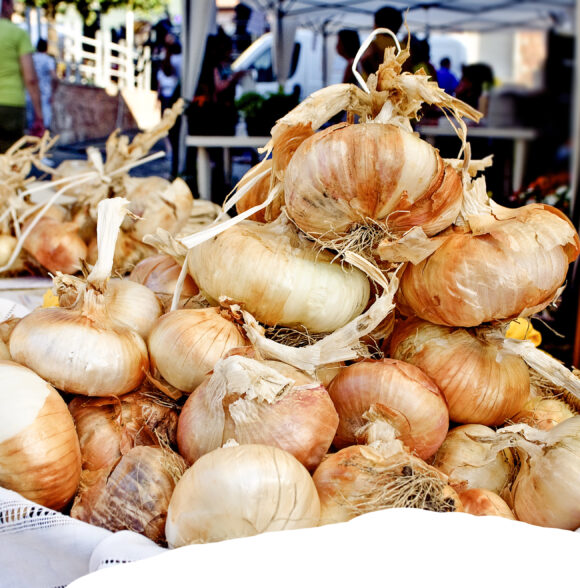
264 402
39 449
481 382
238 492
511 263
400 394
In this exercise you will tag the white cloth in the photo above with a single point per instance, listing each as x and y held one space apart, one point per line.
42 548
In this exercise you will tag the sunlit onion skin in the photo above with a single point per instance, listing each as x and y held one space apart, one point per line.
133 496
460 457
109 427
279 277
80 350
239 492
513 269
56 245
39 449
481 502
543 413
347 174
185 344
411 401
481 382
294 413
160 274
359 479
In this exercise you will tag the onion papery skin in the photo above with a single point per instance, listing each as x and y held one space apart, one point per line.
481 382
279 277
415 406
460 457
543 413
158 203
239 492
134 495
296 415
546 491
360 479
347 174
514 269
185 344
56 245
40 456
109 427
160 274
132 305
80 351
481 502
4 351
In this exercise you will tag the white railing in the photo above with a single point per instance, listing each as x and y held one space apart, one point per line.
102 63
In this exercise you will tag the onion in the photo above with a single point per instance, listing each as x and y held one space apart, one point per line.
507 268
481 502
543 413
347 174
238 492
82 349
279 277
134 495
185 344
160 274
481 382
4 351
464 457
109 427
360 479
403 395
252 401
546 491
7 245
39 449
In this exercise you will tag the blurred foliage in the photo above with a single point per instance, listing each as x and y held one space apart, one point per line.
89 9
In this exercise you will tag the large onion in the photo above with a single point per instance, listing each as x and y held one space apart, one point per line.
360 479
185 344
347 174
134 495
464 457
279 277
266 402
401 393
507 268
238 492
39 449
482 382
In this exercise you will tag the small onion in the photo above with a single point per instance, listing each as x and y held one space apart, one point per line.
160 274
543 412
360 479
39 449
185 344
464 457
511 266
401 392
349 173
279 277
134 495
109 427
481 502
481 382
265 402
238 492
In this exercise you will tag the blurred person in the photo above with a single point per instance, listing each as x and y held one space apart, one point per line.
167 79
45 67
386 17
475 85
347 45
445 77
17 74
420 60
241 38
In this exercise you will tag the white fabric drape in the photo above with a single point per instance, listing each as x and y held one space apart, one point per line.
284 34
199 20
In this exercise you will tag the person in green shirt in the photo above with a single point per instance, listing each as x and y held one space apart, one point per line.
17 75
